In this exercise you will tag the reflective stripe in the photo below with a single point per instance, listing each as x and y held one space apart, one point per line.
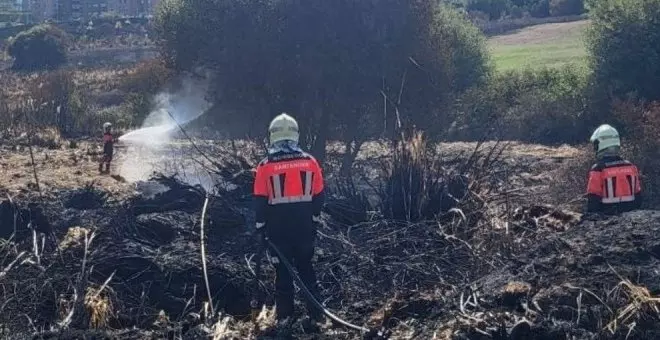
618 199
308 182
610 188
291 199
277 187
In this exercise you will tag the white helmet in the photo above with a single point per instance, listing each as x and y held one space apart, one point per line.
107 125
283 127
605 137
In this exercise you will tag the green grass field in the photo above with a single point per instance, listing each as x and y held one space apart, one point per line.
547 45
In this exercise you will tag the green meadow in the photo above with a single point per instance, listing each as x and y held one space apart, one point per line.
547 45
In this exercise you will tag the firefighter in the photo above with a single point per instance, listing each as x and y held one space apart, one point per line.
289 195
614 184
108 148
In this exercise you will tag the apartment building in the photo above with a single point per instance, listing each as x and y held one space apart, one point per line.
15 11
68 10
133 8
43 9
29 11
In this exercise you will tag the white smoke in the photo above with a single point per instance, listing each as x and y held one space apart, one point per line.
150 149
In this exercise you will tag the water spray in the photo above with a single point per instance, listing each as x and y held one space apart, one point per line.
147 147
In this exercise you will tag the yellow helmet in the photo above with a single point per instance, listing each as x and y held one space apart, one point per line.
283 127
605 137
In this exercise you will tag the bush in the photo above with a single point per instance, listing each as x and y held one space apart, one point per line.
47 103
494 8
42 47
640 129
539 106
566 7
624 41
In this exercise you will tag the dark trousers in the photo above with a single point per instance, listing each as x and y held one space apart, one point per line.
299 252
106 159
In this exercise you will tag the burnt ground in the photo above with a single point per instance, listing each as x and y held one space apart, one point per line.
93 258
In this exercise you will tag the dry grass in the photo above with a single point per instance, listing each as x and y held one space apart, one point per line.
503 26
85 97
99 307
412 178
65 167
57 169
74 238
517 287
569 191
228 328
540 34
641 305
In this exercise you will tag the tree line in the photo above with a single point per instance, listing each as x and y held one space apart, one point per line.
503 9
356 70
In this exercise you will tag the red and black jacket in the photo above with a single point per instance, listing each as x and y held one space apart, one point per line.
614 186
108 144
288 191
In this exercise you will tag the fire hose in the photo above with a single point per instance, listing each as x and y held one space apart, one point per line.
367 333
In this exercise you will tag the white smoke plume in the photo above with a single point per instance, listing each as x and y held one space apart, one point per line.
150 148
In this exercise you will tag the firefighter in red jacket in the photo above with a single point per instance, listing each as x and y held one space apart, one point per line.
289 195
108 148
614 184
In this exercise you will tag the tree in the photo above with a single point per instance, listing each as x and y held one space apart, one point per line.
332 64
42 47
624 45
566 7
494 8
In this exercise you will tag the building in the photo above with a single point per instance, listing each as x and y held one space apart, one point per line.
94 8
43 9
16 11
70 10
133 8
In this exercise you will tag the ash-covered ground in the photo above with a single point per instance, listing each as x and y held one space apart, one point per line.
95 257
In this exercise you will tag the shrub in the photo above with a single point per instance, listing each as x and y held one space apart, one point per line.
640 132
624 41
540 106
46 103
42 47
566 7
494 8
